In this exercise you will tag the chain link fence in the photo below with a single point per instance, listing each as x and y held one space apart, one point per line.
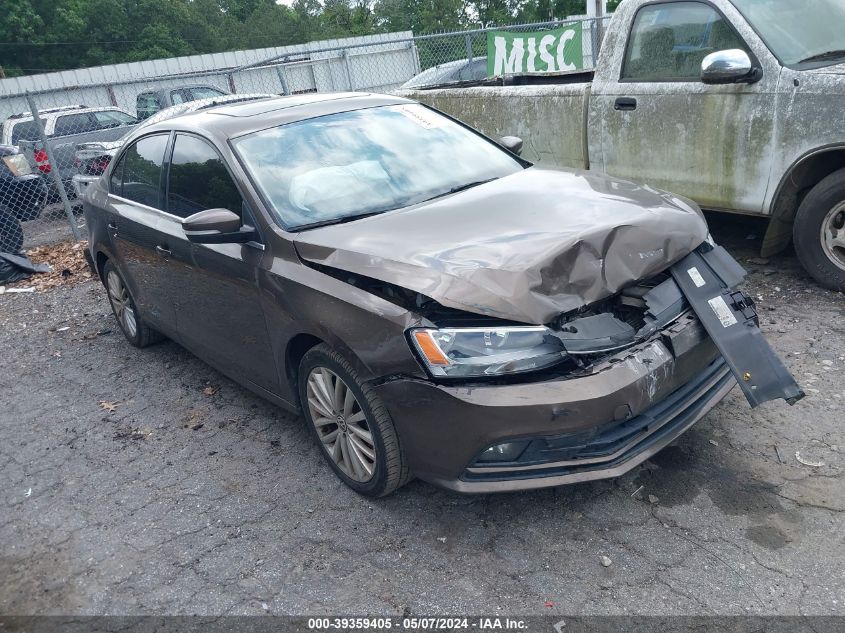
57 140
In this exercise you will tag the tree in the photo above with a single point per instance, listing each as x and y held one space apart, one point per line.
43 35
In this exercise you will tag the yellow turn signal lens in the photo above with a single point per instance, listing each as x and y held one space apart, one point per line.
428 346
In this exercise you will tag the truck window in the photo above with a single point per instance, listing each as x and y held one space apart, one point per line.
147 104
73 124
25 131
202 92
669 41
112 118
177 97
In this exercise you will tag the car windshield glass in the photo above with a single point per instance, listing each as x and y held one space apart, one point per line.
796 33
342 166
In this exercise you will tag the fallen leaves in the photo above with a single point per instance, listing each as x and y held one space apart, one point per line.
211 390
67 260
109 406
196 419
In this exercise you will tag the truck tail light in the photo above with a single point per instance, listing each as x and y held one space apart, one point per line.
42 162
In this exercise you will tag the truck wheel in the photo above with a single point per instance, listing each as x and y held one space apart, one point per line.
819 232
11 232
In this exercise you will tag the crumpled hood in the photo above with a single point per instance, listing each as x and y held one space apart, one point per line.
526 247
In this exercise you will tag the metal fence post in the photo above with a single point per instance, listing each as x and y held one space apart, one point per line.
54 167
280 71
594 40
468 39
345 55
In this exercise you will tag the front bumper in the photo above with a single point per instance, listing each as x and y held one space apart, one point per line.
592 427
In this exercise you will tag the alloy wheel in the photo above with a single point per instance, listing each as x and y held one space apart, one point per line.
122 304
833 235
341 424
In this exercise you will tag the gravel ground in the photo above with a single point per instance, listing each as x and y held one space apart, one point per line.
52 226
143 482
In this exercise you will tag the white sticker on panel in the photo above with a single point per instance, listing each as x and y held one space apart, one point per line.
696 277
723 312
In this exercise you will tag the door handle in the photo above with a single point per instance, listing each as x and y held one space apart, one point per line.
164 252
112 227
625 104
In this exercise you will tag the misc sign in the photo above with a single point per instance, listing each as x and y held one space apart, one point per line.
556 50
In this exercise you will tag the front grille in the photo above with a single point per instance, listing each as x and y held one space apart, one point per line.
614 444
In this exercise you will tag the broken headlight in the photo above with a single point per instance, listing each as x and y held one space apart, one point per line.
494 351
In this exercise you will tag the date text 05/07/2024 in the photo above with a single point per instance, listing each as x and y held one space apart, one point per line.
416 623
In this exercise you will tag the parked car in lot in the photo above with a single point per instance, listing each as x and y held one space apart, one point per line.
93 158
433 304
455 72
148 103
22 196
733 103
64 128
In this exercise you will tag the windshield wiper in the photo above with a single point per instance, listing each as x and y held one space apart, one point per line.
463 187
341 220
820 57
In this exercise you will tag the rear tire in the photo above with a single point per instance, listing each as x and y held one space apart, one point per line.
819 232
350 424
136 331
11 232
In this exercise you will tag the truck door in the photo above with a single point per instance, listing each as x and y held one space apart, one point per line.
653 121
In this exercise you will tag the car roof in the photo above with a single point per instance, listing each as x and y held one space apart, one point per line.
181 109
232 120
180 87
54 113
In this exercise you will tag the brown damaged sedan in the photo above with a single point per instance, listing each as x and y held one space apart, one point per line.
432 304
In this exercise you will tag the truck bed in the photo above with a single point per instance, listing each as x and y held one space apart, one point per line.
558 109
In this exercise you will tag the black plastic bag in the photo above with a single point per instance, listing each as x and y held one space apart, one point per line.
18 267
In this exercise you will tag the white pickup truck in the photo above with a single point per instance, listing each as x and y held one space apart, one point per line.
737 104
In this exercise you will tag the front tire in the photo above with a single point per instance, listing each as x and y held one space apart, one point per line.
819 232
136 331
351 425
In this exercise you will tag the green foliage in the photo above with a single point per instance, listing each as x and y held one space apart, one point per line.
43 35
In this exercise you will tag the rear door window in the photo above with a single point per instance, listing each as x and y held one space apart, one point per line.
199 179
140 171
69 124
669 41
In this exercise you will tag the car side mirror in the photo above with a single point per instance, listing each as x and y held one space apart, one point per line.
217 226
730 66
512 144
